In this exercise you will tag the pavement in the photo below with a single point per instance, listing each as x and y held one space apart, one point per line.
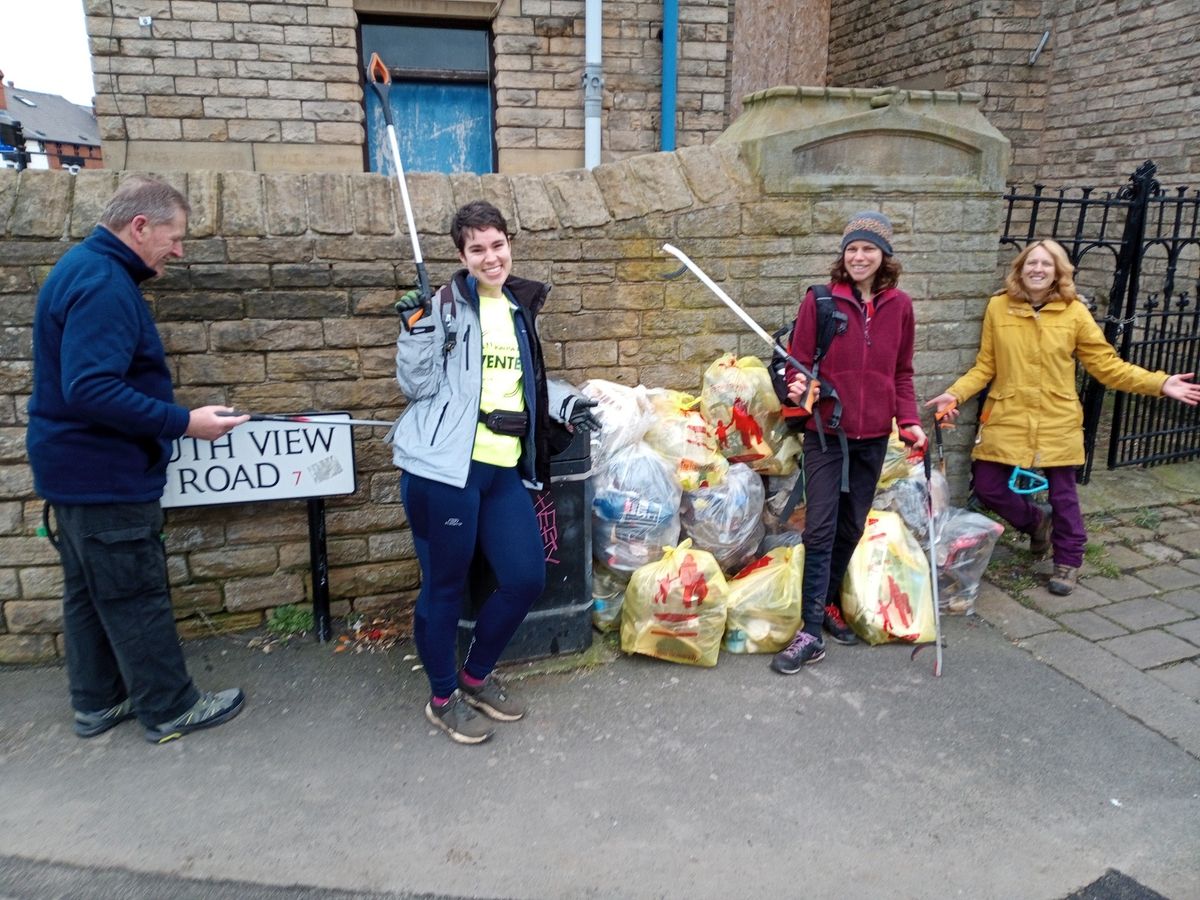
1060 749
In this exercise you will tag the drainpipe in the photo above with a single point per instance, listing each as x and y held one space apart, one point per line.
670 41
593 84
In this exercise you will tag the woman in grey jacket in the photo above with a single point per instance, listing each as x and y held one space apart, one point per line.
471 442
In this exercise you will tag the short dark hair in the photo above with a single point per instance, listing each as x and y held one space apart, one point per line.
886 276
140 195
475 216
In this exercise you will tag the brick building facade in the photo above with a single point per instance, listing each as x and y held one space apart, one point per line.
1112 85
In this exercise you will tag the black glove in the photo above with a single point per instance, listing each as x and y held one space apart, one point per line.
579 414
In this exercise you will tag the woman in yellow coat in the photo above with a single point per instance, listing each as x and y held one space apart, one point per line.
1032 335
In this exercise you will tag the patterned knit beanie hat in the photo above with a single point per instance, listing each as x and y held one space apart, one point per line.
872 226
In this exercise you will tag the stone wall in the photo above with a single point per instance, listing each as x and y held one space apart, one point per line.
283 303
1113 86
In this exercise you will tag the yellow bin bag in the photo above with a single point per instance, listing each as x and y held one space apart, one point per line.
765 604
674 608
886 595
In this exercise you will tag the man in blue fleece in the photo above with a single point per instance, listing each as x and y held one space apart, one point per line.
102 418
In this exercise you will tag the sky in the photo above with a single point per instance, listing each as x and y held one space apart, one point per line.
43 47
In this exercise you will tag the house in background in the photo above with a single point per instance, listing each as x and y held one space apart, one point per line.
58 133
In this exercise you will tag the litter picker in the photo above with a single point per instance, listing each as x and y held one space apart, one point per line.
310 420
933 565
381 80
775 345
814 390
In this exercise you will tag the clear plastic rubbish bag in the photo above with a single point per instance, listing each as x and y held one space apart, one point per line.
778 493
608 592
906 496
726 520
625 413
964 548
635 508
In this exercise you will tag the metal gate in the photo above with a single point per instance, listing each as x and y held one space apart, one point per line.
1137 257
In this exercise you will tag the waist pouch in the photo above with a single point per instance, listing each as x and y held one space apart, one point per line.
506 421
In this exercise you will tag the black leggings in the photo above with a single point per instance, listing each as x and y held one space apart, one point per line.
834 521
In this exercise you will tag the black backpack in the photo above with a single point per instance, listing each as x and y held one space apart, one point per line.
831 322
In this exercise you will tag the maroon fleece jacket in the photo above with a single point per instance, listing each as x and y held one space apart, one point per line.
870 365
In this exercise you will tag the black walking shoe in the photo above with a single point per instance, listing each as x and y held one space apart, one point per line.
491 699
90 724
837 627
213 708
458 720
1039 539
804 650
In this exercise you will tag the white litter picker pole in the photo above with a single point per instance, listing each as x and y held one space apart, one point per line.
741 313
381 80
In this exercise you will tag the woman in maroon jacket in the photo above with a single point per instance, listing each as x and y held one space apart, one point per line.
869 363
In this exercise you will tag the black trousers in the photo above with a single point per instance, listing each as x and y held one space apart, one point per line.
118 624
833 521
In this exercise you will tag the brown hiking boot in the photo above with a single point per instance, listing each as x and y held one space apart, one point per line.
1039 540
1062 582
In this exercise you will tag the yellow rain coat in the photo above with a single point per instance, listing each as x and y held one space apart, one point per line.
1032 416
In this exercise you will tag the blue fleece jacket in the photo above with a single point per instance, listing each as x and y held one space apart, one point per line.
102 414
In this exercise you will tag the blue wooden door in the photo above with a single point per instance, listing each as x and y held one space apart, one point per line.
440 127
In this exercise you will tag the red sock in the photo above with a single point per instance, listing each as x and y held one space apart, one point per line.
440 701
470 680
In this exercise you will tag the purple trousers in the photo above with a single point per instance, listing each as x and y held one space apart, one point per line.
1067 533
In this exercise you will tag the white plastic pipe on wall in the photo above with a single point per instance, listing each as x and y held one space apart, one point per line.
593 84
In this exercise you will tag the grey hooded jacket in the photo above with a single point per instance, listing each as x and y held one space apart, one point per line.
439 369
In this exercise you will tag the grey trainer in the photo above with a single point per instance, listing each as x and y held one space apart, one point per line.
458 720
213 708
90 724
1062 582
492 699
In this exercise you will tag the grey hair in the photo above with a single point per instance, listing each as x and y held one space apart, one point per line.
140 195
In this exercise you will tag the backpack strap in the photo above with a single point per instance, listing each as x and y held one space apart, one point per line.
830 322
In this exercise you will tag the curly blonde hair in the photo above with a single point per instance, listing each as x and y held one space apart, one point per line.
1063 287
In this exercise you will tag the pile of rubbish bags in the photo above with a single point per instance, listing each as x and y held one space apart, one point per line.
697 524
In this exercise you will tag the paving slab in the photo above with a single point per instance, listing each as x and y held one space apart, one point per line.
1183 677
1159 552
1148 649
1015 620
1053 605
1188 630
1143 612
1124 588
1123 558
1131 533
636 779
1169 578
1187 541
1190 563
1090 625
1188 599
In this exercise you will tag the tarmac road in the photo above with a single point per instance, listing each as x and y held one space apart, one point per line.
863 776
